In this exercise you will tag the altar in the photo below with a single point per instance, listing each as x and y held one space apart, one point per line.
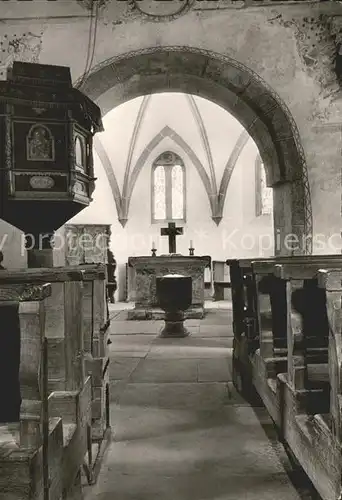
143 279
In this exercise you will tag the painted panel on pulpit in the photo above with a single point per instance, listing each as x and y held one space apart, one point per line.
40 144
95 249
87 244
74 252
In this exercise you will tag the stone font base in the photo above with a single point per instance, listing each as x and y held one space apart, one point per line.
140 313
174 325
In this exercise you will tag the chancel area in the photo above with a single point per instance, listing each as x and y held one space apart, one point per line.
182 160
170 250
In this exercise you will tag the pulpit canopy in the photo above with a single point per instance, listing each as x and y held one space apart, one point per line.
46 132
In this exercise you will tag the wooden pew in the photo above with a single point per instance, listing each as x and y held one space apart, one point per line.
311 426
300 383
270 280
243 287
96 340
249 293
31 443
297 344
70 396
255 291
329 427
245 323
220 280
245 319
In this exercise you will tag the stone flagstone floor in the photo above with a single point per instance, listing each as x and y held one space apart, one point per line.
180 429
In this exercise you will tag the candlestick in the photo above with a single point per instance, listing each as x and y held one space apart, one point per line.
191 249
153 249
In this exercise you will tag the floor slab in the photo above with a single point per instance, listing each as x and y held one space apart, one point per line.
122 368
191 347
133 343
219 370
176 395
215 331
116 389
135 327
136 353
196 454
180 428
166 371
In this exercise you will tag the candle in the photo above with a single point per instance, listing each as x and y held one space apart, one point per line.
191 244
153 244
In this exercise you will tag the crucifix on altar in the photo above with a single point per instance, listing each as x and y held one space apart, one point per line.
171 231
145 270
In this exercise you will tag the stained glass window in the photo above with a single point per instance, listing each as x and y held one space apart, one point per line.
159 185
168 188
177 192
264 194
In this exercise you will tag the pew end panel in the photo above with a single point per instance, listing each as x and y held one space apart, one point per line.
244 326
331 282
96 354
237 295
310 439
24 464
97 364
304 414
21 469
75 409
299 378
66 365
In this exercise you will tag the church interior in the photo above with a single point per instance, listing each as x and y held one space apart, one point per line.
170 250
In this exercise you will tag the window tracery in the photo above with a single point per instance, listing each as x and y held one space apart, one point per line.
264 194
168 188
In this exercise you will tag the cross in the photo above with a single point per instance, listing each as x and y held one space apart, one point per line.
171 231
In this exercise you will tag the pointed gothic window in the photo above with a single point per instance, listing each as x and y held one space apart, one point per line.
263 194
168 188
159 193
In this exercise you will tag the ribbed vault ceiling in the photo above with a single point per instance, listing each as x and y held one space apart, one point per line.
137 154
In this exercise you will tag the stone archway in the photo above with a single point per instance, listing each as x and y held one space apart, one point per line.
240 91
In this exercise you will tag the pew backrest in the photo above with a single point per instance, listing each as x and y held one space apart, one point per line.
63 326
31 300
330 280
253 279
